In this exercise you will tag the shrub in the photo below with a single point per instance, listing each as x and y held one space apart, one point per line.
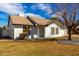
23 35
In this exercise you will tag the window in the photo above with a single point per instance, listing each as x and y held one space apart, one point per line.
52 30
25 29
57 30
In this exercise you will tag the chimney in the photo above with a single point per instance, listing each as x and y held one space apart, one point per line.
21 14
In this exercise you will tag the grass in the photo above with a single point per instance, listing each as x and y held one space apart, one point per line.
37 48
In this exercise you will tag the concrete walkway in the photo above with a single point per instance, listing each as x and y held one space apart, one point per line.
74 42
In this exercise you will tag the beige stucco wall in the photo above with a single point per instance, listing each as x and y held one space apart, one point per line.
48 31
14 30
17 31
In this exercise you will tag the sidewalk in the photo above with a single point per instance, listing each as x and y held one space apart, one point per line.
72 42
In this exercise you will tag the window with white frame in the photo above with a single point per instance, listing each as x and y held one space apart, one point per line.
52 30
57 30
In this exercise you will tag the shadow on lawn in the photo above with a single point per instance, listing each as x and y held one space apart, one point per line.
35 39
6 38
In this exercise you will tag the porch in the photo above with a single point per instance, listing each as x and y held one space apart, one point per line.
36 32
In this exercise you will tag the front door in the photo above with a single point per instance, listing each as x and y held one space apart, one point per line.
41 32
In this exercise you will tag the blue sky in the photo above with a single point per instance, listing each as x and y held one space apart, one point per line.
44 10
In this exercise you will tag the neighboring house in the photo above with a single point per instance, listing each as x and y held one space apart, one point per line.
0 32
36 27
4 31
77 27
76 30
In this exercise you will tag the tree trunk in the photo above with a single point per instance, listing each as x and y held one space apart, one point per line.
69 34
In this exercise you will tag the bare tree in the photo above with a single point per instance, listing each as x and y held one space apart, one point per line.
70 22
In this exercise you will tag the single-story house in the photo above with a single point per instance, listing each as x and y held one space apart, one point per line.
35 27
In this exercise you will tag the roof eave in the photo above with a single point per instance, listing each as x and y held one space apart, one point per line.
23 24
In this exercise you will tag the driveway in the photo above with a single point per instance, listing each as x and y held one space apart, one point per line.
75 40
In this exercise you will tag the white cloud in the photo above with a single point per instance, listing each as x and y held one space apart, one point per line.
11 8
34 15
53 15
57 14
45 7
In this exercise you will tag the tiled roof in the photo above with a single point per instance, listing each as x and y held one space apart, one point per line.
38 21
20 20
30 20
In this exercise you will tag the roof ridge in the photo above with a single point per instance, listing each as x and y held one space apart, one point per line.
39 18
31 20
38 21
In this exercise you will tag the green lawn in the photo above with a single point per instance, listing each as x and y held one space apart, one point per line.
36 48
